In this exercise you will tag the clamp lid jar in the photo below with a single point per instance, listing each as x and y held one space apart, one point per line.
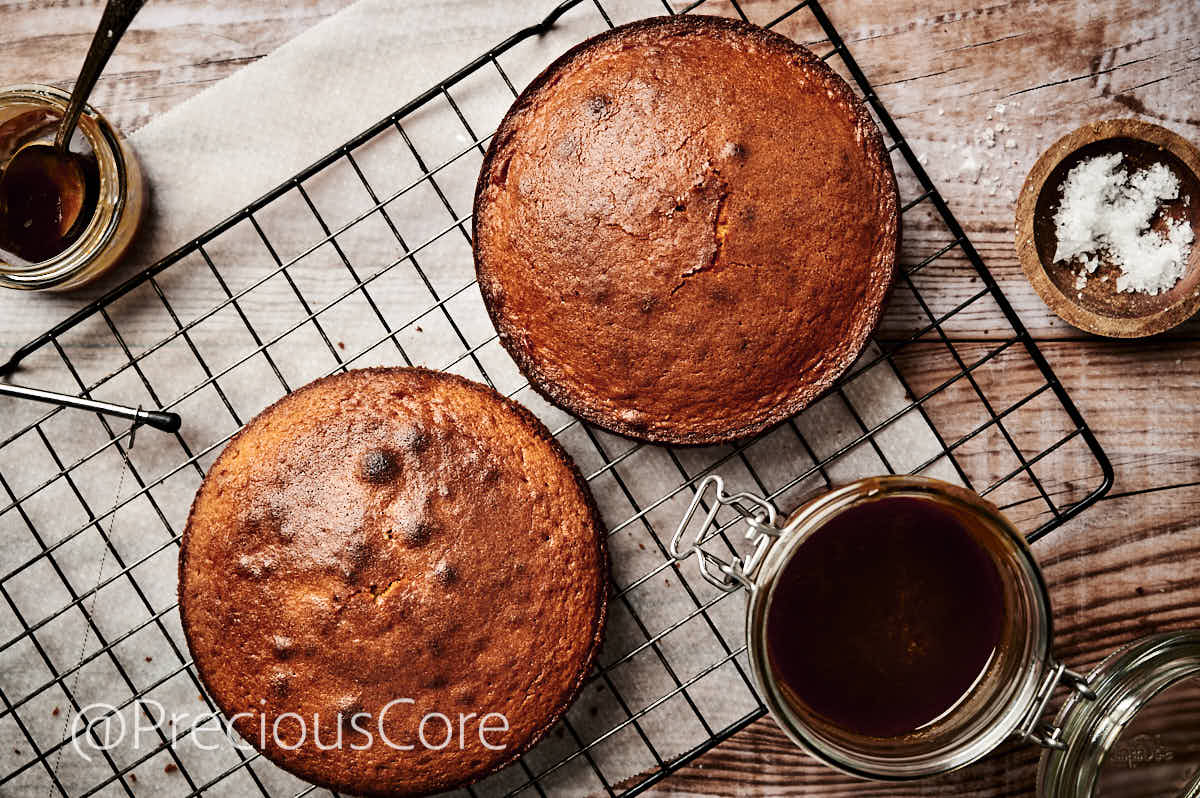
830 646
32 112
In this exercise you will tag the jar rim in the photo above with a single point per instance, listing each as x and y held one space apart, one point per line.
101 231
1008 716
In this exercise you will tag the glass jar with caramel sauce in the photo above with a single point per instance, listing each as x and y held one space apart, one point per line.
899 627
116 198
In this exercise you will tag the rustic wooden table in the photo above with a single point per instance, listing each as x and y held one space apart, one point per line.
980 89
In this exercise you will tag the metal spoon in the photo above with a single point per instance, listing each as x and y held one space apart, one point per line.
43 177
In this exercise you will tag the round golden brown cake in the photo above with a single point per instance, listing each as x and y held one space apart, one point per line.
398 566
685 229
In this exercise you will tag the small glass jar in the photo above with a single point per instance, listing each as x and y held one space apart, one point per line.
1102 730
32 110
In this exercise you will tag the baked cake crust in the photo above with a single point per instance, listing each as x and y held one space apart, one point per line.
685 229
386 534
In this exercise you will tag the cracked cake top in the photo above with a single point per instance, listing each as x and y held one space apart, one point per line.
384 536
685 229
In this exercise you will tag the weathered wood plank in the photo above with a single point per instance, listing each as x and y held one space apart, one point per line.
172 51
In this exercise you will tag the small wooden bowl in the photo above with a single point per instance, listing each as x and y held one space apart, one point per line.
1098 307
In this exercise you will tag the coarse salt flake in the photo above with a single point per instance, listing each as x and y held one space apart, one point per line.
1106 212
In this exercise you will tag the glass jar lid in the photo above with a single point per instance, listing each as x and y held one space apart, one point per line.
1140 735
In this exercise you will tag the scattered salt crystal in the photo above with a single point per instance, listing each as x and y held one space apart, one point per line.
1000 108
970 168
1010 145
941 111
1106 211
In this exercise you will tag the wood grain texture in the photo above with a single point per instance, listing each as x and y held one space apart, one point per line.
980 88
172 51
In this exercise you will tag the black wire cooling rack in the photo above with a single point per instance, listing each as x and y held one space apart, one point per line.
364 258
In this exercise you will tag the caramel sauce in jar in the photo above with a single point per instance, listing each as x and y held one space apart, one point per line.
51 241
32 210
886 617
899 627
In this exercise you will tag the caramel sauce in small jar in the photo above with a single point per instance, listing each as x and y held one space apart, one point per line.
913 613
35 203
115 207
899 627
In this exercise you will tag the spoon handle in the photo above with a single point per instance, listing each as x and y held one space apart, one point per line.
159 419
117 16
